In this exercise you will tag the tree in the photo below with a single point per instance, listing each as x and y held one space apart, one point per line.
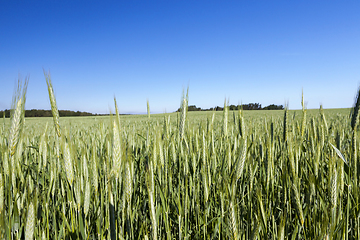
274 107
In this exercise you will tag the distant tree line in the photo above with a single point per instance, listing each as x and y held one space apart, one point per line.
250 106
47 113
273 107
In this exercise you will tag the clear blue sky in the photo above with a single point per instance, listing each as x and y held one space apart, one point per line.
247 51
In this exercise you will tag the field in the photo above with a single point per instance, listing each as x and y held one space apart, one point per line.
188 175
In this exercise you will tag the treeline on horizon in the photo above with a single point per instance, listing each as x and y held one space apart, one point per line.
250 106
69 113
47 113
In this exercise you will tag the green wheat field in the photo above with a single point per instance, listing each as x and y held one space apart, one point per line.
277 174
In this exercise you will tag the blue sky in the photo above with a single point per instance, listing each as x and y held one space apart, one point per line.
245 51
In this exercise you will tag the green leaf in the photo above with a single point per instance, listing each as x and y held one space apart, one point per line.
339 154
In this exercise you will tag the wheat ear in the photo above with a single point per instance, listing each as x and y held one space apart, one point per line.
17 116
183 109
355 111
54 108
30 222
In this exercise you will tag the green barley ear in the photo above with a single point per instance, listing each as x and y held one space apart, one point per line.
30 222
323 118
54 108
117 113
87 197
183 110
313 127
334 190
2 206
95 180
116 143
2 199
43 149
285 128
355 111
302 99
298 203
225 118
241 122
3 130
112 214
17 115
303 121
69 170
148 108
151 195
116 149
281 230
233 221
128 181
6 164
240 162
